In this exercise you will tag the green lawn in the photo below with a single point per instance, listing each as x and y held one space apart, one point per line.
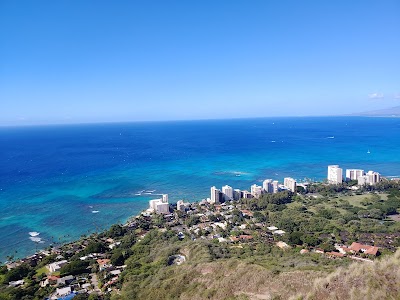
356 199
42 270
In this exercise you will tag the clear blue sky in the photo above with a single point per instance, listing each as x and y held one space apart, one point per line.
93 61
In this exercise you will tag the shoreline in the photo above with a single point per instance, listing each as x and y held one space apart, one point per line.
99 262
131 218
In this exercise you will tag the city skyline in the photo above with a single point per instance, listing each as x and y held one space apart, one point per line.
74 62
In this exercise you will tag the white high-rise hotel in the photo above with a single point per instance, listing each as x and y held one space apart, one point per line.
214 195
370 178
256 190
353 174
335 174
290 184
267 186
228 192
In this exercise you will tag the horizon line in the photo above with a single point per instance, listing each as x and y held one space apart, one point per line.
178 120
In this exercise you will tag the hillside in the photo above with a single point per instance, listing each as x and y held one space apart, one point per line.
387 112
242 279
378 280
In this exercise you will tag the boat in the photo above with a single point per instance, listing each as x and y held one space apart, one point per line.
368 152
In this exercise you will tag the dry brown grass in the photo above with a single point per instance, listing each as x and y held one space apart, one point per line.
222 280
367 281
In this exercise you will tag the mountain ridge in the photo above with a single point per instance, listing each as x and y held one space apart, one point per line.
385 112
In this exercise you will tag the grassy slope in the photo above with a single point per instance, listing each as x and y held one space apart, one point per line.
274 274
239 279
378 280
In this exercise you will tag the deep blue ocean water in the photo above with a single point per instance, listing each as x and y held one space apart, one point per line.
53 178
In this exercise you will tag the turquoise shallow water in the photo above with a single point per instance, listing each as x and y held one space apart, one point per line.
52 178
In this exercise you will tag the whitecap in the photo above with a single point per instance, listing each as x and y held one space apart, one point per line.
273 141
34 233
95 211
35 239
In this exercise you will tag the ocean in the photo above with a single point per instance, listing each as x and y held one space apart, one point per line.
60 182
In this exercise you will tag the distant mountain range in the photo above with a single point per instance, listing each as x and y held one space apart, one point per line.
387 112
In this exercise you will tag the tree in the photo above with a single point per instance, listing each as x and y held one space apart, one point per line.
327 247
93 297
17 273
310 240
128 241
84 296
95 247
260 217
75 267
295 238
116 230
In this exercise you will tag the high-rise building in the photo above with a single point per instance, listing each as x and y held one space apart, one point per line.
165 198
267 186
162 208
227 192
290 184
275 186
256 190
237 194
159 206
353 174
246 194
335 174
373 177
214 199
153 204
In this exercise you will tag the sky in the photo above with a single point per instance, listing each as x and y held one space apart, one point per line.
112 61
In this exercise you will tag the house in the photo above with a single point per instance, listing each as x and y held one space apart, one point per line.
279 232
234 239
103 264
64 291
246 212
52 280
65 280
361 248
245 237
12 265
282 245
56 266
115 272
343 249
16 283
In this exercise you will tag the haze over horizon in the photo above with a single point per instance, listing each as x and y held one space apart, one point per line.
97 61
